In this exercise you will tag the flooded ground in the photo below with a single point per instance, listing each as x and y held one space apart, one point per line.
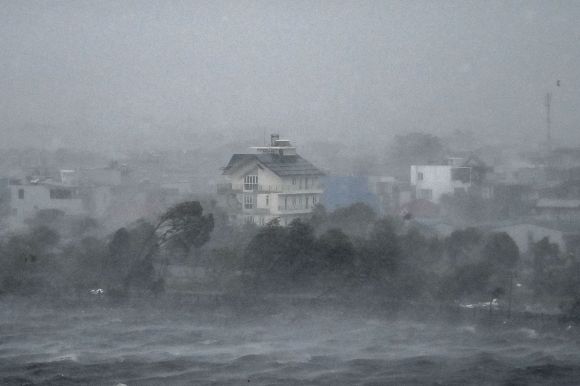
150 345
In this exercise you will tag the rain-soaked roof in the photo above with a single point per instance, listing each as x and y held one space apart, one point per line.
287 165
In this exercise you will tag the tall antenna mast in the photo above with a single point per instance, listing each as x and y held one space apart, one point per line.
548 104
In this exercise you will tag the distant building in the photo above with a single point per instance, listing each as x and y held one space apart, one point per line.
558 209
431 182
457 176
392 193
81 192
26 200
273 183
343 191
92 177
525 235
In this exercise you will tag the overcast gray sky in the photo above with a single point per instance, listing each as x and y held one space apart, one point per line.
92 73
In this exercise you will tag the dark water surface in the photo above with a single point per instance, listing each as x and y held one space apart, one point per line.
149 345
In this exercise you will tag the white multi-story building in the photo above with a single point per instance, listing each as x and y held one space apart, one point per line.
273 183
78 193
26 200
431 182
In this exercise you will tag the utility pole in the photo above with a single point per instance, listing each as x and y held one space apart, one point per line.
510 294
548 104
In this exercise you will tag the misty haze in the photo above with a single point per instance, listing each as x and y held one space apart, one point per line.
289 192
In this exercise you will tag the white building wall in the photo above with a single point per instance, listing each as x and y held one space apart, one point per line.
272 194
237 178
266 178
274 202
37 197
436 179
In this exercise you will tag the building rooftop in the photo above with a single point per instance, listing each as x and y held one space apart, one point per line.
286 165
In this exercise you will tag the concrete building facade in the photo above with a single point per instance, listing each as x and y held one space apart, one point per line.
273 183
431 182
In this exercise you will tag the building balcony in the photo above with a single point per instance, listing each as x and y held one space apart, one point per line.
261 211
282 210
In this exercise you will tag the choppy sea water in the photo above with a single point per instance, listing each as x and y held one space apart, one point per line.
100 345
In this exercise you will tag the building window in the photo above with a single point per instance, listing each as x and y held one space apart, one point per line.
248 201
293 181
250 183
249 219
420 176
306 183
21 194
294 202
300 201
267 200
307 202
426 194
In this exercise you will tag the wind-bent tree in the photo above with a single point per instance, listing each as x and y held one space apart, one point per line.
183 224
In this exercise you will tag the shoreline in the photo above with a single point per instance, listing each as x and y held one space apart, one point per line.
242 307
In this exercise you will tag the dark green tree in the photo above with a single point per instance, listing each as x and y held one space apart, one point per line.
500 250
265 258
462 244
379 255
301 248
354 220
547 268
336 252
29 262
467 280
183 224
319 216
